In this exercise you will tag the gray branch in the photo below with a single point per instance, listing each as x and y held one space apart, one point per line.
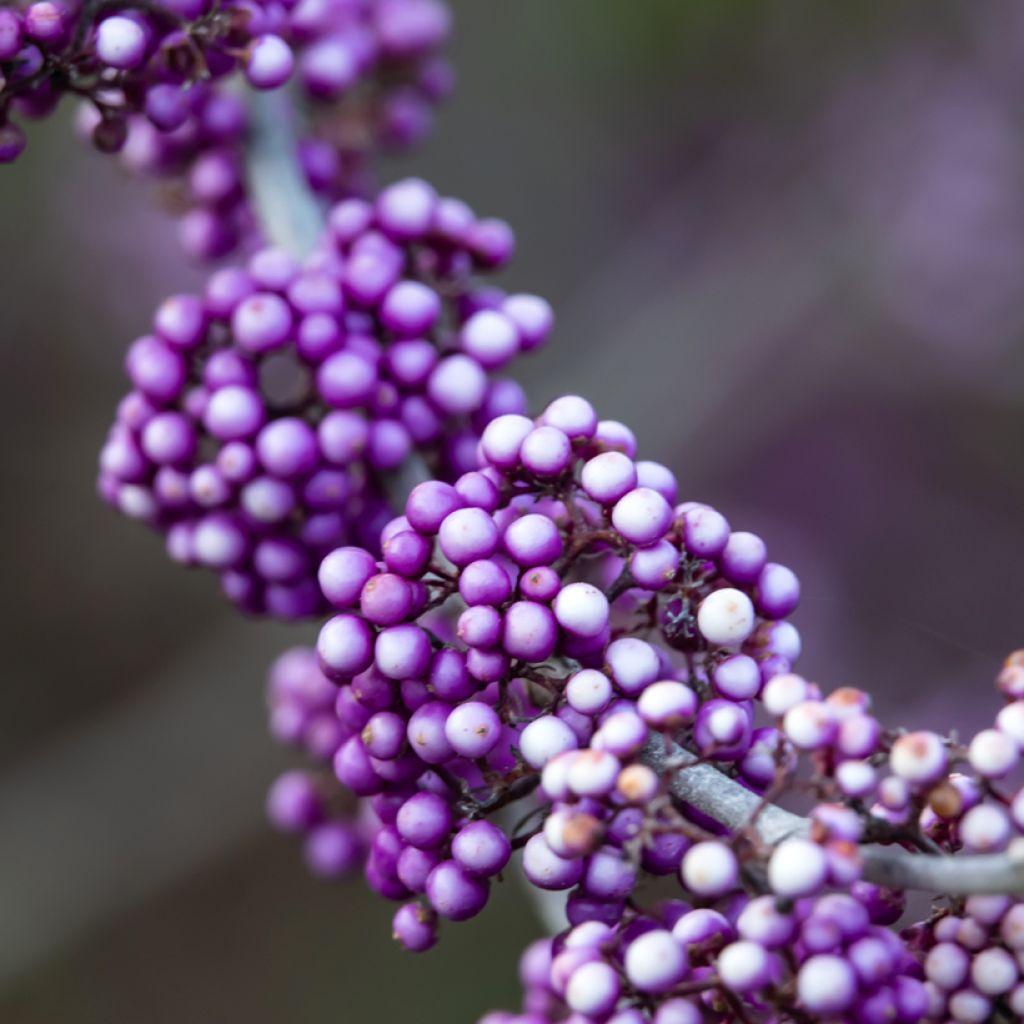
706 789
285 206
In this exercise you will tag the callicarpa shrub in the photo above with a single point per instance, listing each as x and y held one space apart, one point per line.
536 657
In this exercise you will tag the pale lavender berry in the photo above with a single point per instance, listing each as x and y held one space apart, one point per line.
970 1007
582 609
762 921
777 591
502 439
287 447
826 985
345 379
546 870
345 646
743 558
810 725
457 385
414 927
424 820
658 478
856 778
722 728
467 535
384 735
168 438
589 692
947 965
783 692
219 542
985 829
473 729
343 574
481 848
533 540
156 369
11 33
293 804
429 503
992 753
709 869
593 773
426 733
121 42
530 631
656 566
672 1011
544 738
642 516
342 436
407 553
454 893
261 322
480 627
181 321
593 989
386 599
410 309
332 850
726 617
654 962
609 476
571 414
705 531
797 867
405 210
622 733
490 337
744 966
234 413
546 452
269 62
919 758
402 652
540 583
737 677
667 704
632 663
609 874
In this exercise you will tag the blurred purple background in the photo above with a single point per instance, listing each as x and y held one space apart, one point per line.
785 244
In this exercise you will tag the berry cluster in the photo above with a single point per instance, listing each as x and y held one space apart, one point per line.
133 57
792 930
152 78
268 414
368 74
544 679
312 804
553 630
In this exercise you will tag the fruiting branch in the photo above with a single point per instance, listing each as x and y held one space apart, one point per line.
705 788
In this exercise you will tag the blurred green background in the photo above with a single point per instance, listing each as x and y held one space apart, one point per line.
785 243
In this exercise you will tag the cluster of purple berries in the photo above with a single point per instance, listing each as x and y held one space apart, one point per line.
792 931
152 79
127 58
369 74
544 680
267 414
528 633
312 804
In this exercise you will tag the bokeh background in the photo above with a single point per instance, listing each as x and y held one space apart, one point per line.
785 242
